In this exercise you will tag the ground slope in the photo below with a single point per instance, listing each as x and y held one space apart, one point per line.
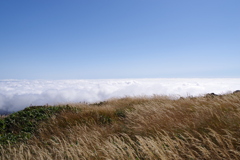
159 127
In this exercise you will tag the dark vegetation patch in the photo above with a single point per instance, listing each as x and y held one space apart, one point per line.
21 125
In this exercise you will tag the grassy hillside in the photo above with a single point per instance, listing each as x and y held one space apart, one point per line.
159 127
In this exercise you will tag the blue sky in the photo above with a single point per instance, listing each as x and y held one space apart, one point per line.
101 39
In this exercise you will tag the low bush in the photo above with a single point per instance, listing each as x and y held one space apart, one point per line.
21 125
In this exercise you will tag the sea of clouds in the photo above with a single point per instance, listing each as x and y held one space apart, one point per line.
15 95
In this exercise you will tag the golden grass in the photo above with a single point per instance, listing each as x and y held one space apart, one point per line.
158 127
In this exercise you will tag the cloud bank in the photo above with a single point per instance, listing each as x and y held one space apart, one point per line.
15 95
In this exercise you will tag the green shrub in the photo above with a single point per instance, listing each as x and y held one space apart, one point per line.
21 125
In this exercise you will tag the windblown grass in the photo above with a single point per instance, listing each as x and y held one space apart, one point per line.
159 127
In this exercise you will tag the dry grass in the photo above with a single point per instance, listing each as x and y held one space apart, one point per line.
159 127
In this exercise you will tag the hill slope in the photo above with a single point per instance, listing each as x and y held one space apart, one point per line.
158 127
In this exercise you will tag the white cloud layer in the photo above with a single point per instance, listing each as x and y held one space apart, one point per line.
17 94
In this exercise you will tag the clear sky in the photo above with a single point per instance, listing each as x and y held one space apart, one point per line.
101 39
